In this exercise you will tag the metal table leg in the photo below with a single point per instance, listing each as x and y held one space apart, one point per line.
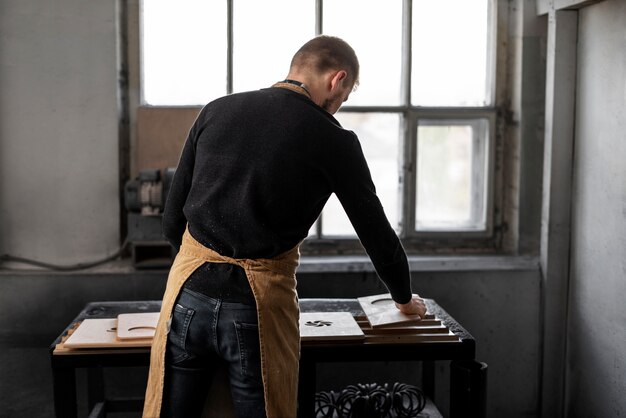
428 378
95 386
64 387
468 389
306 389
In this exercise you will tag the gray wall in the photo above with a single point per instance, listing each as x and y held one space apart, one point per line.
34 309
596 375
501 310
58 129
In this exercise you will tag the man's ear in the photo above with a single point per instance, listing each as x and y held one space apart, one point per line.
338 78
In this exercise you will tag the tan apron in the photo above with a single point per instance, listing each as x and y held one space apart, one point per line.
273 283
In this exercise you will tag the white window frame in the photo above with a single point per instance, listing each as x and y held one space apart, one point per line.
413 239
488 238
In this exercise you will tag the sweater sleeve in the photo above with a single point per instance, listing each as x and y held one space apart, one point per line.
174 220
357 194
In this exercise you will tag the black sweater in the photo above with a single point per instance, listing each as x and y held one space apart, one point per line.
256 171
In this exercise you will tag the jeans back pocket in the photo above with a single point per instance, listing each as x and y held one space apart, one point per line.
249 350
177 337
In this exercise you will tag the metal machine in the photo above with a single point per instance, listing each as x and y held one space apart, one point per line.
144 198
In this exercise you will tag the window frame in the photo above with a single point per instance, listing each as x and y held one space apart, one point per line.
432 241
410 187
445 240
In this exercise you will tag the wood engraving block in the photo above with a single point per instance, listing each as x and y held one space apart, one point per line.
410 339
136 325
94 333
329 326
406 330
381 311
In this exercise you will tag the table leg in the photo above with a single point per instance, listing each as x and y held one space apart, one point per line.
428 378
64 387
306 389
468 389
95 386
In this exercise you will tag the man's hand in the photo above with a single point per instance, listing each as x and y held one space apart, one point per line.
415 306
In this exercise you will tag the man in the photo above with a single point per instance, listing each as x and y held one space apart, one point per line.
254 175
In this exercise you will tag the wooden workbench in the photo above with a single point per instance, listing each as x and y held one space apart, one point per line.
468 384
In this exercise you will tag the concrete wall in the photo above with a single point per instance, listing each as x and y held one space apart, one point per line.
34 309
596 375
58 129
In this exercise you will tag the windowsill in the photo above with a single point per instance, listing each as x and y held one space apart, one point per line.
332 264
362 264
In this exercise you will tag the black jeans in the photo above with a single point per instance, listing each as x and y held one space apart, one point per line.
204 332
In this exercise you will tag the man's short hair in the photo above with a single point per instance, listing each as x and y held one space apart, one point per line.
324 53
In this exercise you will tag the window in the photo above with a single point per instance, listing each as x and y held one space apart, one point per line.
183 52
424 111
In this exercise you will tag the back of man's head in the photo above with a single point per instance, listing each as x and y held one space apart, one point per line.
324 53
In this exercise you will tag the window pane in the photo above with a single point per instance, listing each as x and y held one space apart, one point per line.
449 53
374 29
451 174
335 222
183 51
266 35
313 231
378 133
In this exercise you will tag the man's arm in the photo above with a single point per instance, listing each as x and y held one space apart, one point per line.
357 194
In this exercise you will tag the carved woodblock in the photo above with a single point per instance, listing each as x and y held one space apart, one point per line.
411 338
329 326
381 311
407 329
136 325
94 333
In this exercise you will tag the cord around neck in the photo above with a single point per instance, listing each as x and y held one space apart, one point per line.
294 86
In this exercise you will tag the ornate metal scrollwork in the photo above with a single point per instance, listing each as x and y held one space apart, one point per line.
371 401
